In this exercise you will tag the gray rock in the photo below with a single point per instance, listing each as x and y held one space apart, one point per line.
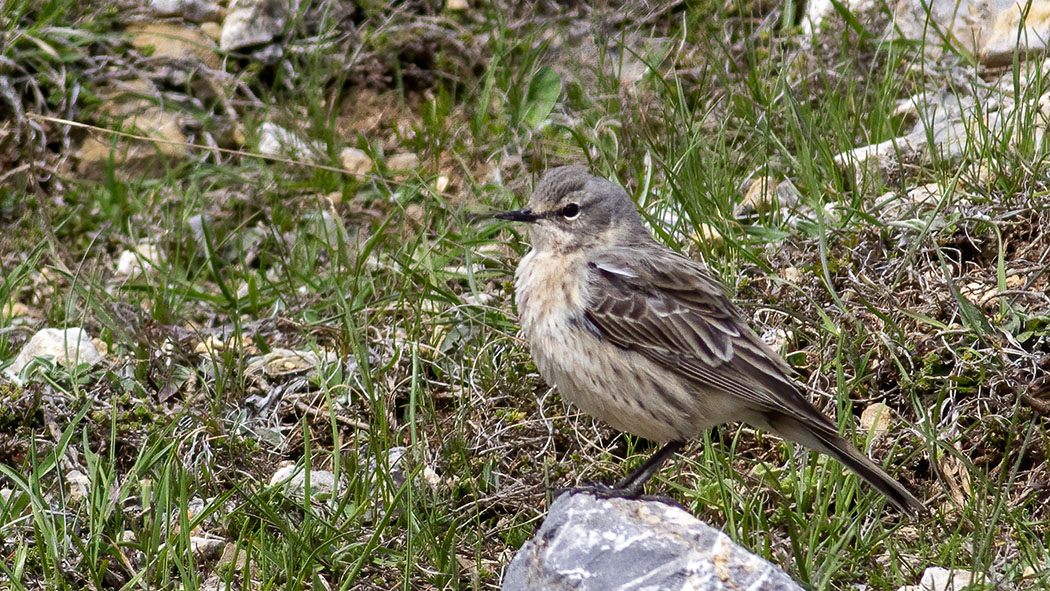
194 10
616 544
293 479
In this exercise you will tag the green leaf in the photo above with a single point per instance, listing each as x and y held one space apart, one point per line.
544 92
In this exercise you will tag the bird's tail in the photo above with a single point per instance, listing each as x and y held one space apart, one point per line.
827 441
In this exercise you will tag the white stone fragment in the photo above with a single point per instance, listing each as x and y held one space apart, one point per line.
134 262
590 544
936 578
79 486
275 140
68 348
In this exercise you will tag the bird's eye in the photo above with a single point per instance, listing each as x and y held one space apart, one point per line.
570 211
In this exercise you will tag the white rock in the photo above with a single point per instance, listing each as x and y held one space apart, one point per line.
589 544
293 479
480 299
441 183
936 578
68 348
431 477
252 23
275 140
406 161
282 361
130 262
207 547
875 419
194 10
79 486
355 161
819 11
987 28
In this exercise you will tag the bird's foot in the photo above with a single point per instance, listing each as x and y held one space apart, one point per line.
599 490
605 491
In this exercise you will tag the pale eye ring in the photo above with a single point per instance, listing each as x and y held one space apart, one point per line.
571 211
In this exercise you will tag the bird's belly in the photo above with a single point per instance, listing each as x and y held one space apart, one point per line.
618 387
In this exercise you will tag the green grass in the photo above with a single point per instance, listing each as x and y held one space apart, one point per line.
932 308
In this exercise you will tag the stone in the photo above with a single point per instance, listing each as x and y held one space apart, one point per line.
765 193
135 158
791 274
709 235
293 479
275 140
212 30
986 28
395 463
936 578
441 183
403 162
1006 35
355 161
144 257
875 419
79 486
161 124
207 547
280 361
233 556
192 10
819 12
949 124
68 348
590 544
175 41
251 23
14 309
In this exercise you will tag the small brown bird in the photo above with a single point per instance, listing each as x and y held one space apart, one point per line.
646 339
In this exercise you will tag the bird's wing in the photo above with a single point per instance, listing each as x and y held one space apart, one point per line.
669 309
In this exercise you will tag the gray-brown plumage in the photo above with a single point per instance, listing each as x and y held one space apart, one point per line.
646 339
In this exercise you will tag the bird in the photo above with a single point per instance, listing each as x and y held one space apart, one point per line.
647 340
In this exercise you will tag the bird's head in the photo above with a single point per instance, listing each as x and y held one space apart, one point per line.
572 210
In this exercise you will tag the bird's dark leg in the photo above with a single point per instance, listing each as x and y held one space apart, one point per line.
631 487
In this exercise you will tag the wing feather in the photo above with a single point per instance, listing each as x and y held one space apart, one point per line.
669 309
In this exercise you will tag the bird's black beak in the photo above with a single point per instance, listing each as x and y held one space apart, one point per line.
518 215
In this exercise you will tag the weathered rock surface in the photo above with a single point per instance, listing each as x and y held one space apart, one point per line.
251 23
194 10
275 140
990 29
175 41
67 348
616 544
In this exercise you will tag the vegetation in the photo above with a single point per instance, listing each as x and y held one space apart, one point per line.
306 315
